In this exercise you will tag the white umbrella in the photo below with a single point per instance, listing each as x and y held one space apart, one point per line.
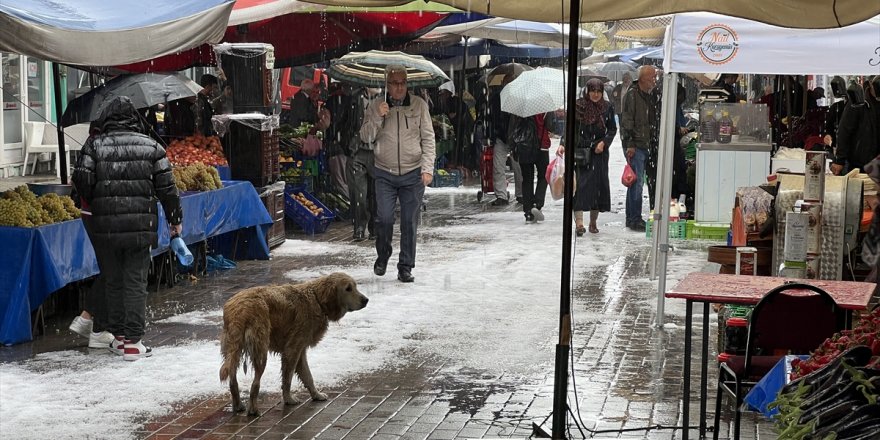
534 92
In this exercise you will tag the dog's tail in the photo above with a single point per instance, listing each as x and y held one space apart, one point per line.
235 341
231 345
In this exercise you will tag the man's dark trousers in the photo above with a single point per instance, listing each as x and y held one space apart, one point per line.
409 190
124 269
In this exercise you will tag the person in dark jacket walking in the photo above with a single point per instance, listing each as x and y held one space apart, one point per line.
595 131
404 165
640 126
530 140
120 174
361 187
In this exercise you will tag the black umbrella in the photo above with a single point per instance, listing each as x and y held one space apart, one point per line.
144 90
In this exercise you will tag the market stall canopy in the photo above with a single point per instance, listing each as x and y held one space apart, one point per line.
818 14
87 32
711 43
516 32
304 33
445 48
648 31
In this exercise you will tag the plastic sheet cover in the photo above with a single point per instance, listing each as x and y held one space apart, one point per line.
257 121
212 213
34 263
92 33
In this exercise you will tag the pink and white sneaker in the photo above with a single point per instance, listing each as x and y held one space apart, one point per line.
135 350
117 345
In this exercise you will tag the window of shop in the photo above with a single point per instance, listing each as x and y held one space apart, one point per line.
11 102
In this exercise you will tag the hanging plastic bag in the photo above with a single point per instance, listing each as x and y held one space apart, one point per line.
556 177
311 146
629 176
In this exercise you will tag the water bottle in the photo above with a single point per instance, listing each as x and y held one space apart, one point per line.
183 254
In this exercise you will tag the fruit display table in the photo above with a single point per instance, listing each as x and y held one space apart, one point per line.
38 261
34 263
236 208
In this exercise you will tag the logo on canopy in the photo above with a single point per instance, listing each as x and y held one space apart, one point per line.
717 44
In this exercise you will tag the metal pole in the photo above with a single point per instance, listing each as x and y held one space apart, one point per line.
667 144
59 112
459 140
560 385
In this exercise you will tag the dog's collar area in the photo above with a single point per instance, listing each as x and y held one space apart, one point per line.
318 301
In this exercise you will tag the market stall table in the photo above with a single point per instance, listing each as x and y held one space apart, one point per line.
235 207
747 290
34 263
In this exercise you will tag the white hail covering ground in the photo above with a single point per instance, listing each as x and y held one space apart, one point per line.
485 289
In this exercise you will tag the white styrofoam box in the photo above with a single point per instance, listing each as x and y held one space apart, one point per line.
793 165
719 174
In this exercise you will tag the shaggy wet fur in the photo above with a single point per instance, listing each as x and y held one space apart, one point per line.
285 319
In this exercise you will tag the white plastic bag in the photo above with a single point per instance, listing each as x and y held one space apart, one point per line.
556 177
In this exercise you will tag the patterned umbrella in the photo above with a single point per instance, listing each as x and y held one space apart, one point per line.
534 92
368 69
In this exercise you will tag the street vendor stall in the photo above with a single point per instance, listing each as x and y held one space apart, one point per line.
38 261
711 43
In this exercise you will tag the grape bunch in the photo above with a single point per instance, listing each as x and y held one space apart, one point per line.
21 208
196 177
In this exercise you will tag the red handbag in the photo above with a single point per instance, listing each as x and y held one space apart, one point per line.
629 176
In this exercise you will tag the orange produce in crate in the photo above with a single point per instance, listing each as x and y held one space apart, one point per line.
196 149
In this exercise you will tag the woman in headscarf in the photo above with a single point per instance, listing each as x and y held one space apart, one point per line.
595 129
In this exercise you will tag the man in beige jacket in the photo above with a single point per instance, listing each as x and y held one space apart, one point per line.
404 165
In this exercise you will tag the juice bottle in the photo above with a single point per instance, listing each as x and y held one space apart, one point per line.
725 127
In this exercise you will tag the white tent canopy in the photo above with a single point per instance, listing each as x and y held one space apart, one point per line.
712 43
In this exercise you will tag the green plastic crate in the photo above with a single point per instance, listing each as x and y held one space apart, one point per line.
707 231
676 229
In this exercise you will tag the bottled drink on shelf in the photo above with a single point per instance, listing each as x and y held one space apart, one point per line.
725 128
708 127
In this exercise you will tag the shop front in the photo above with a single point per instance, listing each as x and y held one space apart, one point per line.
25 97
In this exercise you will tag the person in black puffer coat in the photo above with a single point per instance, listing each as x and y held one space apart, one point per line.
119 176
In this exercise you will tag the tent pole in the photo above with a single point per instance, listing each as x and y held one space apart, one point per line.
59 112
459 141
560 385
662 165
667 145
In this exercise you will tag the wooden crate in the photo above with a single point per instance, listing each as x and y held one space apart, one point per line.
274 203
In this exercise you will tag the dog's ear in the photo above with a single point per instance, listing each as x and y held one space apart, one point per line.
332 296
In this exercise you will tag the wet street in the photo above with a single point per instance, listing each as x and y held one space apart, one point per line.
467 351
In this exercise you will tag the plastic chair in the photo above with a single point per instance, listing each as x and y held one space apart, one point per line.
33 144
781 323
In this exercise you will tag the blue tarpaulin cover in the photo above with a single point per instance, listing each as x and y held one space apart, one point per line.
235 206
93 33
34 263
38 261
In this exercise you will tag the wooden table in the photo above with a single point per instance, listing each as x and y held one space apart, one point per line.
747 290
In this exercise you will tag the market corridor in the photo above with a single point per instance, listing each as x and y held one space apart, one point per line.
464 352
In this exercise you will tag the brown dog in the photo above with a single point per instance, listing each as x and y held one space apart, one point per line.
285 319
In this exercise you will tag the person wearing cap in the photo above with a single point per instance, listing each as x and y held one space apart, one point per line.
401 128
